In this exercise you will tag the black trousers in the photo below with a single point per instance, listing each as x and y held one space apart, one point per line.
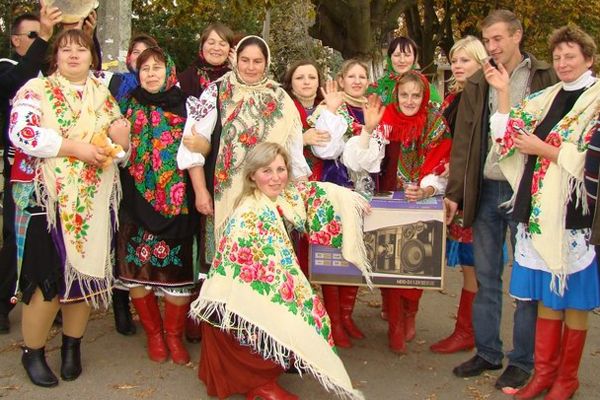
8 253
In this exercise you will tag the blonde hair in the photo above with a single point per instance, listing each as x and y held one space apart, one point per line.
474 49
346 65
260 156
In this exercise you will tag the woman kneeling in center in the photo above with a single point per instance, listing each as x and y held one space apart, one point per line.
259 311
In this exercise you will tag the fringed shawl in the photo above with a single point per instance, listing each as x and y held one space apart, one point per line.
250 114
257 292
80 199
553 183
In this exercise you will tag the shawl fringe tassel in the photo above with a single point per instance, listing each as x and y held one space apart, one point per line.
261 343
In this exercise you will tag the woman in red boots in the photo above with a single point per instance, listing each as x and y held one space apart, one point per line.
341 116
466 57
158 219
302 81
409 143
542 145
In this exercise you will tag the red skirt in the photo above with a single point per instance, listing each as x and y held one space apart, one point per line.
227 368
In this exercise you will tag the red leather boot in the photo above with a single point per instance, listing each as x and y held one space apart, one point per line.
147 309
331 300
175 316
270 391
396 314
566 384
347 300
547 356
411 307
463 337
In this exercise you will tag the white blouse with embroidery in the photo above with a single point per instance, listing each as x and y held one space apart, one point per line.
25 131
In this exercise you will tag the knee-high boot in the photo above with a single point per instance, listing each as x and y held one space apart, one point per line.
411 299
548 333
463 337
331 300
123 322
147 309
174 322
396 315
347 300
567 383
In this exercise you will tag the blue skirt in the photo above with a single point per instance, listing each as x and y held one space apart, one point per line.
582 291
459 254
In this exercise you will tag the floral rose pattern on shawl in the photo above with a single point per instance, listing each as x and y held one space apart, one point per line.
248 123
155 137
255 288
520 121
71 172
554 184
76 220
79 198
324 224
261 256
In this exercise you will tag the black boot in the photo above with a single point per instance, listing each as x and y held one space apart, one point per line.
34 362
4 323
123 322
70 367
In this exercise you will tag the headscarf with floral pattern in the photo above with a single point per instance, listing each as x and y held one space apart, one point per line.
157 121
250 114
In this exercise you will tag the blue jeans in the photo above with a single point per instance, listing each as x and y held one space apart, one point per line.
489 234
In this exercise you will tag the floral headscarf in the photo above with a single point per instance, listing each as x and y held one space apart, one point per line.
250 114
157 121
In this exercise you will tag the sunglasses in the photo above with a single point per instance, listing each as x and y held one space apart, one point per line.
30 34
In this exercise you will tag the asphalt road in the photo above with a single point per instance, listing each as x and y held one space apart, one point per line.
116 367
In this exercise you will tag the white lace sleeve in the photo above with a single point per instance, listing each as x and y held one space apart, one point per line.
202 116
336 126
359 157
25 131
437 182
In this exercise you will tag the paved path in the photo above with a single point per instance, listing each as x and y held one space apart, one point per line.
116 367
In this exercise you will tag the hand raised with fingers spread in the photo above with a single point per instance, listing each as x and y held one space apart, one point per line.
373 112
332 96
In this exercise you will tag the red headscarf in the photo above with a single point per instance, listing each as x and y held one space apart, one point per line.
426 129
403 128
